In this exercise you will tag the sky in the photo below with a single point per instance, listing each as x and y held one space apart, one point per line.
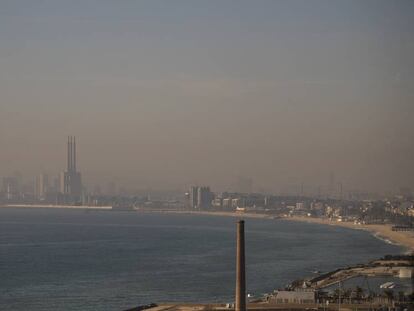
165 94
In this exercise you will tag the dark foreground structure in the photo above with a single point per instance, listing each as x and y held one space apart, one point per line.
240 269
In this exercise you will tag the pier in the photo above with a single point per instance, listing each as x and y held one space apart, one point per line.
400 266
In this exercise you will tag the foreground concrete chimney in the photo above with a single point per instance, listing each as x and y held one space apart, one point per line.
240 269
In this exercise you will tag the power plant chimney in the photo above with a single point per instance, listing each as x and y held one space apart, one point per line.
240 269
74 154
68 154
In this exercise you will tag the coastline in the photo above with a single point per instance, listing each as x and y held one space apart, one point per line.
381 231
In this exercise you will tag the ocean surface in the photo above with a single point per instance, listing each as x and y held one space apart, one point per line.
54 259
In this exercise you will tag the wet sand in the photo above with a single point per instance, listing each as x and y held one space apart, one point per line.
403 238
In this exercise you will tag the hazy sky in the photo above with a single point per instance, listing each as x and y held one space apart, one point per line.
168 93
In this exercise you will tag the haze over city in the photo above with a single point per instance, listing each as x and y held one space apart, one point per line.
165 94
207 155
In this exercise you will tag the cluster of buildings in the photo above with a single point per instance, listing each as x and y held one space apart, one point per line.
398 210
203 198
65 189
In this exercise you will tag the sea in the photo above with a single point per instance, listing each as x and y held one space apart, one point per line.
63 259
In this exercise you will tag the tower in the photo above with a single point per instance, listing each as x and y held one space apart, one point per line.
193 196
240 269
71 184
41 186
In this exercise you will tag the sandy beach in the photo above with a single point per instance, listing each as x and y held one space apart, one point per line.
384 232
403 238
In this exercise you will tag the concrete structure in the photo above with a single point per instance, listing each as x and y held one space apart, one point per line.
406 273
204 197
217 202
70 181
41 186
240 269
193 196
227 203
293 297
11 188
200 197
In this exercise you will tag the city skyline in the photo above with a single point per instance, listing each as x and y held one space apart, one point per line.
69 182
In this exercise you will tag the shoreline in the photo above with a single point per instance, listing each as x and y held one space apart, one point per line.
383 232
380 231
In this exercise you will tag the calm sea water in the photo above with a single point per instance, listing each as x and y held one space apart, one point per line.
74 260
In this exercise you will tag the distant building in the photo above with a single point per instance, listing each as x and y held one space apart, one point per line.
331 185
70 180
200 197
193 196
227 202
41 186
204 197
237 202
10 188
284 296
217 202
300 205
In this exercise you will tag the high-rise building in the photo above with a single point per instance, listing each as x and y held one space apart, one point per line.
41 186
204 197
193 196
331 186
200 197
70 180
11 188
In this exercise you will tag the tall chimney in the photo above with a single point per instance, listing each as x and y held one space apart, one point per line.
71 154
74 153
68 153
240 269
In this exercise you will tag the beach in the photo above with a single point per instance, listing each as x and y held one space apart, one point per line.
381 231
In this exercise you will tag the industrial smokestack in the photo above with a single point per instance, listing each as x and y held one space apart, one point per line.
68 153
74 153
71 154
240 269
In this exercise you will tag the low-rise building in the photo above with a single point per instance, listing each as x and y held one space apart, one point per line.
283 296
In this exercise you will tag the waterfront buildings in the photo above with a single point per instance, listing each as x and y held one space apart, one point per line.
41 186
193 197
200 197
10 188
